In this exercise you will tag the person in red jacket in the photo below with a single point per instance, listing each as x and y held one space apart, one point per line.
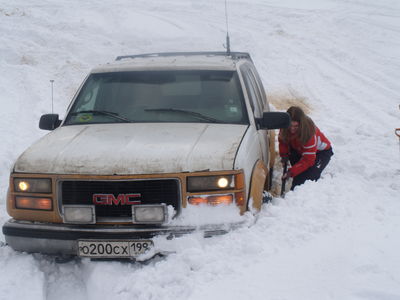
305 146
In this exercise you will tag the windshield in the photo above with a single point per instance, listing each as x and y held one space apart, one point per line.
160 96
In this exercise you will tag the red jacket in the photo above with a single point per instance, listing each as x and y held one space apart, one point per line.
308 151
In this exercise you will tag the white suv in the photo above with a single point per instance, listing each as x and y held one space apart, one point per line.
144 138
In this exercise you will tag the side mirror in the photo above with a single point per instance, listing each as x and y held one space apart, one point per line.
274 120
49 122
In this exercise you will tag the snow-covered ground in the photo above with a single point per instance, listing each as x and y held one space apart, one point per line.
335 239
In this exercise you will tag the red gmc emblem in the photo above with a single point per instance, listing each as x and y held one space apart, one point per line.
121 199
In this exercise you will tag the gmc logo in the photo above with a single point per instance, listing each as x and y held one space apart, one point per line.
121 199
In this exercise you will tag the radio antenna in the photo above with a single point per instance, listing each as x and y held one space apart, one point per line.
228 43
52 99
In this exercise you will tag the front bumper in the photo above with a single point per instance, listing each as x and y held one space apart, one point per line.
62 239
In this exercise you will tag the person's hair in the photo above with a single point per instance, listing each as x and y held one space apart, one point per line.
306 125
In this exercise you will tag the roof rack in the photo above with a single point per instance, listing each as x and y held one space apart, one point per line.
234 55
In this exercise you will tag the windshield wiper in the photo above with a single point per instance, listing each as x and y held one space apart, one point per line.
188 112
102 112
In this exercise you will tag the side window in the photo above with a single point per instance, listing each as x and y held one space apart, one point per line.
257 90
253 92
261 89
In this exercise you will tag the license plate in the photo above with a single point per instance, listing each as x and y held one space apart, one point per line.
113 249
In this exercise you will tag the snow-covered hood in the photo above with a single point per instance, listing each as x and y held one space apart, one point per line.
108 149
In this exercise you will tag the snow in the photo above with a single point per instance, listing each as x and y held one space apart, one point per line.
334 239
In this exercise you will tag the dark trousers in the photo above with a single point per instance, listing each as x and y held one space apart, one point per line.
314 172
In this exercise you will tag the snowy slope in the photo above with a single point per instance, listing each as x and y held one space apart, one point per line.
335 239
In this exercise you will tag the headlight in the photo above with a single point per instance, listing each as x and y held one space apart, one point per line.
210 183
149 214
37 185
79 214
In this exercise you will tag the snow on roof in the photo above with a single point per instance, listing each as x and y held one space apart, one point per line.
200 61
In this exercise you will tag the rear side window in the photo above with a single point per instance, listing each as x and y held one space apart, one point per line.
261 89
253 92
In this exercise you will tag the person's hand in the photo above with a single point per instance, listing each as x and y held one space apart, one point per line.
284 159
287 175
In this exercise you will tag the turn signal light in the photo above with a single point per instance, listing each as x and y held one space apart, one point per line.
197 200
33 203
240 200
211 199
